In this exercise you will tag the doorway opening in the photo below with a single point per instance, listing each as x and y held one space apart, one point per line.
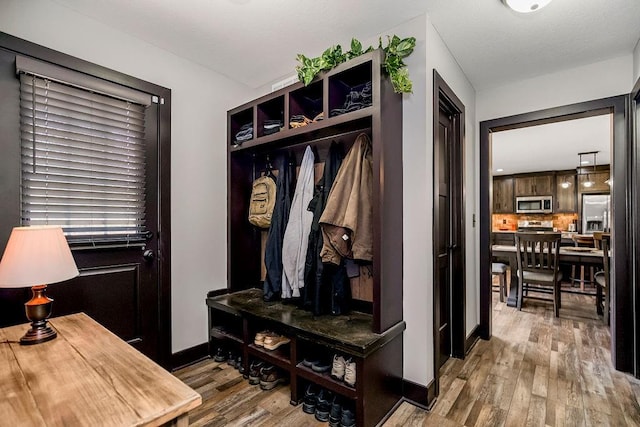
620 292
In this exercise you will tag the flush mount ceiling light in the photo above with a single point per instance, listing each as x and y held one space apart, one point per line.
526 6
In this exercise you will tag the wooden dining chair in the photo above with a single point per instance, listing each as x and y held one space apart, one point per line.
537 256
499 269
603 278
583 241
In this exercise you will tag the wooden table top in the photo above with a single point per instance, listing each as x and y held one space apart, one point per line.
565 251
87 376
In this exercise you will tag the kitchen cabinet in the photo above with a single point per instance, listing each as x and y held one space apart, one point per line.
503 195
538 185
598 179
565 197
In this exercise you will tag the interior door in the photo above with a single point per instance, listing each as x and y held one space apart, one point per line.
442 235
119 283
635 144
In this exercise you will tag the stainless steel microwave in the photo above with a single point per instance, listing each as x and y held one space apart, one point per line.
534 204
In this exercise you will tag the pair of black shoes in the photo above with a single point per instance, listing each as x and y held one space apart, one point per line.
327 406
235 361
342 414
317 365
317 401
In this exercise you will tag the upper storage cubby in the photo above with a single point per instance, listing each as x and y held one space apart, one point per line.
241 127
305 105
350 90
270 116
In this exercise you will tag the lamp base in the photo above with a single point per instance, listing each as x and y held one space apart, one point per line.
40 332
38 309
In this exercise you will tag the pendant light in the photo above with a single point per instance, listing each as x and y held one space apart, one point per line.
526 6
584 170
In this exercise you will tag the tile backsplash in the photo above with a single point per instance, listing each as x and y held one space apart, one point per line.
510 221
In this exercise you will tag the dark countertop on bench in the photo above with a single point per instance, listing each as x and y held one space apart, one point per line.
350 333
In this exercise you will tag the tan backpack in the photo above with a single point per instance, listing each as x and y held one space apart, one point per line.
263 199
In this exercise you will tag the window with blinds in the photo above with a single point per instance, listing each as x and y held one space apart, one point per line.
83 162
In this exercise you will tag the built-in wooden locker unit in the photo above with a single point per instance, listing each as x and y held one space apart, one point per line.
379 325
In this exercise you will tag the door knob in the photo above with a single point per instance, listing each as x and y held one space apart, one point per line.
148 255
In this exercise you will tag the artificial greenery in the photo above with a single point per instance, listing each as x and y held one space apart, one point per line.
393 65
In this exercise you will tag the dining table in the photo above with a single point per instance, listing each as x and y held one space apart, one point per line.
567 254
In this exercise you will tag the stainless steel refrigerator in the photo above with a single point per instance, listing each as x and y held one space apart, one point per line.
596 213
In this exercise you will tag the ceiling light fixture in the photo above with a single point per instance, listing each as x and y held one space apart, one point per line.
587 170
500 170
526 6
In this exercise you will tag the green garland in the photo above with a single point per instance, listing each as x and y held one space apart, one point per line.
393 65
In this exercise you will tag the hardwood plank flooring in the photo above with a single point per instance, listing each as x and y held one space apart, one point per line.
537 370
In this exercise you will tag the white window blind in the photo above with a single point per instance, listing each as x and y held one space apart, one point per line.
83 161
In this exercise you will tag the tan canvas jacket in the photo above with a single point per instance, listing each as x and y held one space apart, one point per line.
347 227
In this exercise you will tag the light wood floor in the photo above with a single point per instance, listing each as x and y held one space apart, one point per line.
536 370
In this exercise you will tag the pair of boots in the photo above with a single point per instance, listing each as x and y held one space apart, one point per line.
268 376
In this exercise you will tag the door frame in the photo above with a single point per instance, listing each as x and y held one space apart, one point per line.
634 132
163 257
445 99
622 342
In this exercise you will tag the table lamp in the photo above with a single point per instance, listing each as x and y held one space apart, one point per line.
35 256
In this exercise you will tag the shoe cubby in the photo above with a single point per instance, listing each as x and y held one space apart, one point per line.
239 124
306 101
270 116
351 90
274 348
312 358
227 327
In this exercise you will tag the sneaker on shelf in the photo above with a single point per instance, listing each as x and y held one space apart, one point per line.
220 355
348 418
309 362
310 398
350 373
337 369
335 414
274 341
323 407
260 337
254 371
321 366
270 377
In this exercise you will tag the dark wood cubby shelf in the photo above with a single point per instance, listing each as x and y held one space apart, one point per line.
373 339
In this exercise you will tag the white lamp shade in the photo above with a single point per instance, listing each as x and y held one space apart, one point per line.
36 255
526 6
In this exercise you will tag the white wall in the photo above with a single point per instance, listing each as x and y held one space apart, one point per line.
417 157
589 82
200 99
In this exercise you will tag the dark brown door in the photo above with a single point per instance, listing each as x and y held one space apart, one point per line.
119 282
443 244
